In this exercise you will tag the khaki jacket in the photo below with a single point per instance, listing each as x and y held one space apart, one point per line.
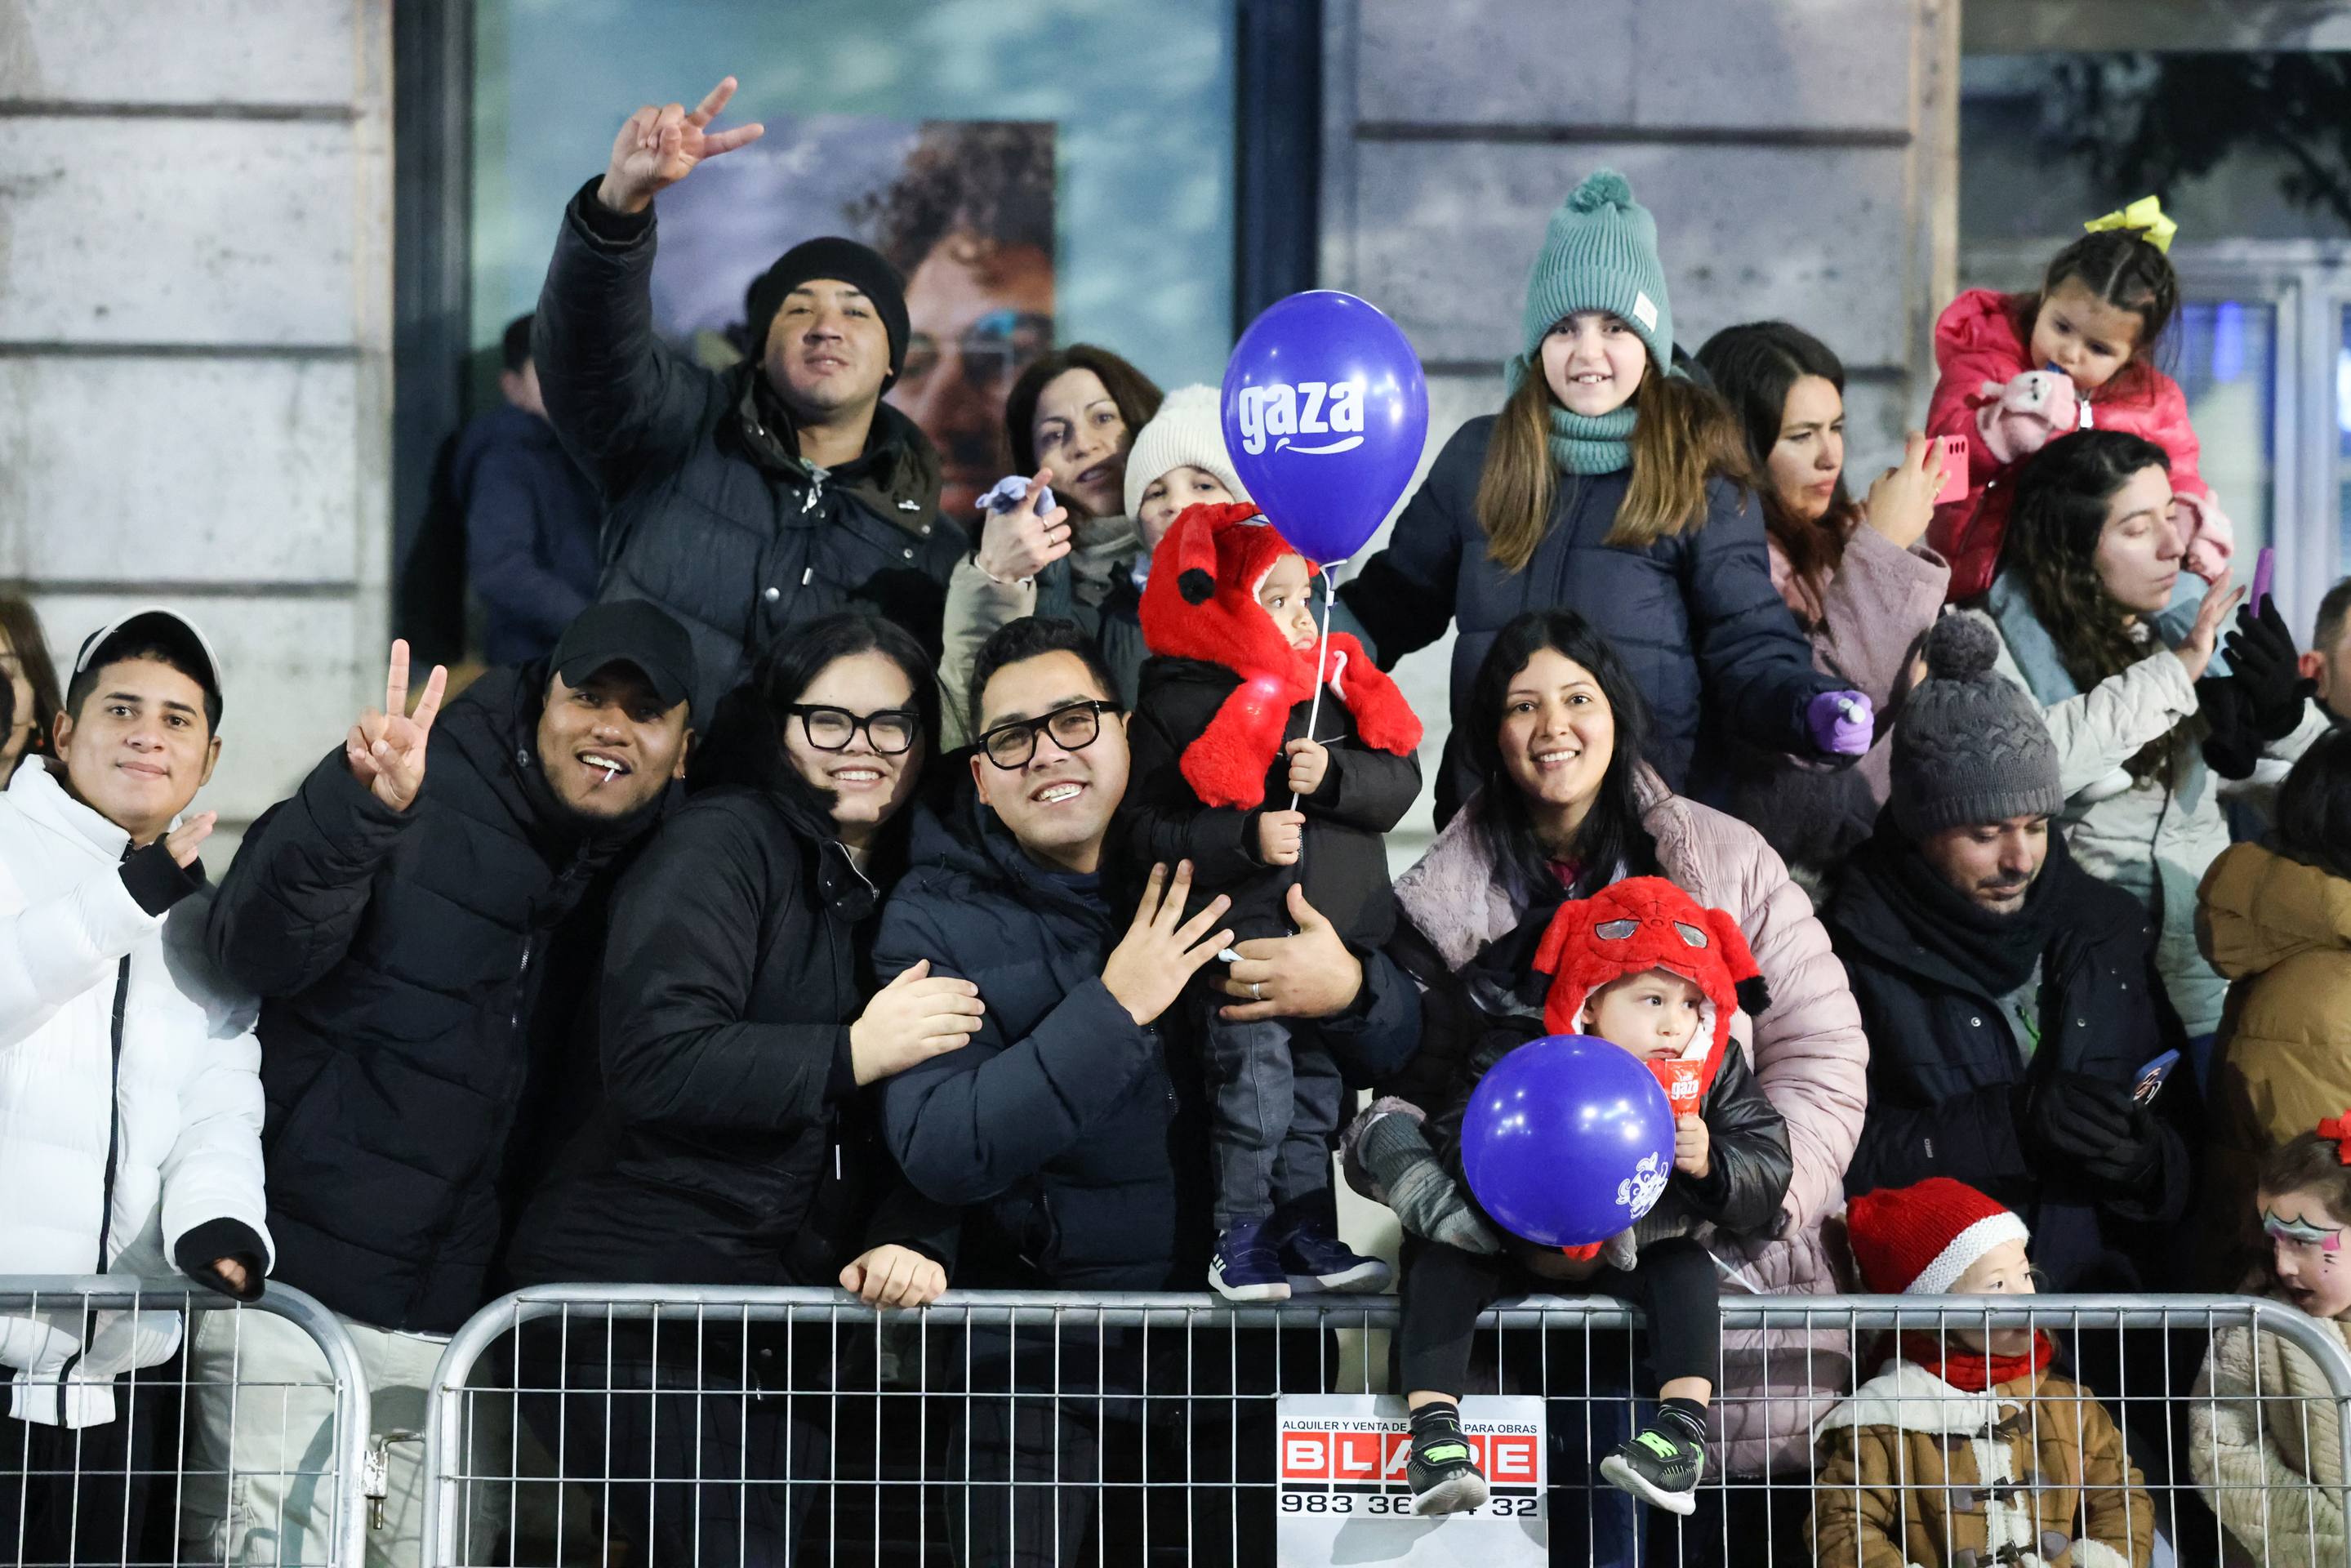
1916 1473
2257 1455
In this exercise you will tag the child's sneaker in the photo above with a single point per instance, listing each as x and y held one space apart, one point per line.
1314 1259
1659 1464
1246 1267
1443 1476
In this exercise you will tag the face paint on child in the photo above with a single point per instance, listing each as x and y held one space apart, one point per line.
2307 1253
1283 594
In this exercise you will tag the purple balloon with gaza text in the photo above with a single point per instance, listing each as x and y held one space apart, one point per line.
1567 1140
1325 413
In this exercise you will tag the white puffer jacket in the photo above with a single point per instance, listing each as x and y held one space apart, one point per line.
175 1104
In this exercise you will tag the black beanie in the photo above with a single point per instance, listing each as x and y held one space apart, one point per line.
843 261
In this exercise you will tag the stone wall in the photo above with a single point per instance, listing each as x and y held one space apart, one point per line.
195 374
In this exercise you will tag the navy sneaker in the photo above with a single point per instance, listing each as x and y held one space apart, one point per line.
1246 1267
1314 1259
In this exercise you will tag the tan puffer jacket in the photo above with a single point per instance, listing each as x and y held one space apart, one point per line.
2281 931
1808 1054
1916 1473
2257 1454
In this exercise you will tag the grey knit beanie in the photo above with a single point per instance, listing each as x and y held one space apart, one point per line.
1970 744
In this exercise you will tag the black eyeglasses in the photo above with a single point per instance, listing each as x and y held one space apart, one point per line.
1073 728
890 732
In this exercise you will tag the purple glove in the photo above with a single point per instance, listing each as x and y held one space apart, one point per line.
1841 722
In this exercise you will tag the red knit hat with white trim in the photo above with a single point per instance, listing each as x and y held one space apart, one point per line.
1918 1240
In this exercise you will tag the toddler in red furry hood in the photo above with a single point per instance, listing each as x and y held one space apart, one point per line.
1286 822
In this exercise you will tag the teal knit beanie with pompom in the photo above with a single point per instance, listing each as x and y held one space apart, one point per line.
1599 254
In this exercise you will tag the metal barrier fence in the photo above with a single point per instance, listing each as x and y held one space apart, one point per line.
155 1463
651 1425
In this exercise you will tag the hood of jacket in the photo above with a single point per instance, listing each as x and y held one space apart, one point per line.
1979 321
2259 907
897 474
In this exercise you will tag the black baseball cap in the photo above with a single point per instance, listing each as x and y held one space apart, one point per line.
634 631
153 624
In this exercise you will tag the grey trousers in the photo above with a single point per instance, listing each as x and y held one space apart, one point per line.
1275 1096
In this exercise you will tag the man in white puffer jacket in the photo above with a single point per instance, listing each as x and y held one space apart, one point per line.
130 1101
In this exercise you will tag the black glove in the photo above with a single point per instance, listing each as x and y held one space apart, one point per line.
2267 668
2074 1123
2232 747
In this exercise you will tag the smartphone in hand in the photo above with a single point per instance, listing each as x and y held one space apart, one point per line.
2150 1079
1955 469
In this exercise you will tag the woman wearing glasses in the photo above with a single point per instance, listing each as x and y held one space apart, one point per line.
740 1020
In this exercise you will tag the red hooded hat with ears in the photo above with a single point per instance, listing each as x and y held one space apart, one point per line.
1200 602
1646 922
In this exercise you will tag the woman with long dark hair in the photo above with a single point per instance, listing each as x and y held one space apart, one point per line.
1857 576
32 675
1612 485
1068 423
2090 563
1563 802
730 1143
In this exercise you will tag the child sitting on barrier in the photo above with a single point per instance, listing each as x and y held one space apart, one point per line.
1640 966
2264 1443
1965 1448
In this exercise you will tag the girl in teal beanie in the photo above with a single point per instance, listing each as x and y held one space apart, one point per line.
1610 485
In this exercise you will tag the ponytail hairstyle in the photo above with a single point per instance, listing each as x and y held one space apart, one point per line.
1754 366
2052 545
2126 271
1683 435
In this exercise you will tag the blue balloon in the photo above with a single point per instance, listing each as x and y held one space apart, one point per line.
1568 1140
1325 414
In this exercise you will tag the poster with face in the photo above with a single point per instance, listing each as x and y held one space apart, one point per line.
962 209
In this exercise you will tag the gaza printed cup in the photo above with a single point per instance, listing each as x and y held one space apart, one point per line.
1325 412
1568 1140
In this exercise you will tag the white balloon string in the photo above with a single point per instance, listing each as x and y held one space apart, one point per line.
1322 662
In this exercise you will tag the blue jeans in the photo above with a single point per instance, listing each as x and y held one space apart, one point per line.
1275 1096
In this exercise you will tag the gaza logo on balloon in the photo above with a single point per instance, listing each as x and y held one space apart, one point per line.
1284 414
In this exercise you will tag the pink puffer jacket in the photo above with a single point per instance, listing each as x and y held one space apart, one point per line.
1808 1053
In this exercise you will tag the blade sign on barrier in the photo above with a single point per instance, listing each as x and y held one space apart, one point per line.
1342 1496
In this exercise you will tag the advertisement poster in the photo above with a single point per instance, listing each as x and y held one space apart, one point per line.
1340 1494
964 209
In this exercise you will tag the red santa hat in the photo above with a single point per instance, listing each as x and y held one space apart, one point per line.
1918 1240
1200 602
1646 922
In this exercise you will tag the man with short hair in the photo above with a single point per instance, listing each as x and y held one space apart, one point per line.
746 502
2329 663
2010 998
531 515
424 941
131 1103
1067 1125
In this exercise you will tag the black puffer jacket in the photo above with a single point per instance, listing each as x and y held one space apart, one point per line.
1344 866
731 1144
1945 1068
1707 639
422 975
1074 1133
1501 996
713 514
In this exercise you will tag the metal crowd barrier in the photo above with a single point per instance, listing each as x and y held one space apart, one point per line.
184 1437
651 1426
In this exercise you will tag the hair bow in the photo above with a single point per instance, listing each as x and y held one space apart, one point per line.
2145 216
2338 1128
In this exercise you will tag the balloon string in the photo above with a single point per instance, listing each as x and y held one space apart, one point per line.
1322 661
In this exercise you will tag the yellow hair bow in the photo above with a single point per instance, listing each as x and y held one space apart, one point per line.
2144 215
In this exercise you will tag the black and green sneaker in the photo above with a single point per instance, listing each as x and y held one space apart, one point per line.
1659 1464
1444 1479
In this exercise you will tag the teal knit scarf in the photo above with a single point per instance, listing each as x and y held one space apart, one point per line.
1585 444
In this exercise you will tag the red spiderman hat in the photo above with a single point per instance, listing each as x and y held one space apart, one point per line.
1646 922
1200 602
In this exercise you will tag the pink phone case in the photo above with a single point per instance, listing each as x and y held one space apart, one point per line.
1955 470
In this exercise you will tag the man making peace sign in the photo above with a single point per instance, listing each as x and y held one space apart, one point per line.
421 920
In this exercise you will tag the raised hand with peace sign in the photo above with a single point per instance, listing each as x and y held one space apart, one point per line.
660 146
385 749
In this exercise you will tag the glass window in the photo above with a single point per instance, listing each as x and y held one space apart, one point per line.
2224 356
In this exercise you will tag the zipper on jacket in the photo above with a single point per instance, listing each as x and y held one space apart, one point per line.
113 1113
